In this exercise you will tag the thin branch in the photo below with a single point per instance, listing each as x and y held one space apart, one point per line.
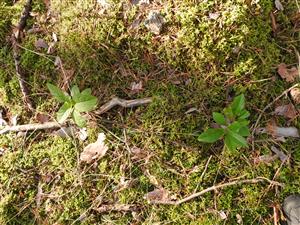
124 103
29 127
214 188
53 125
15 38
116 208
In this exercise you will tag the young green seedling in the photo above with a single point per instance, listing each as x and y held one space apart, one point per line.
233 125
74 105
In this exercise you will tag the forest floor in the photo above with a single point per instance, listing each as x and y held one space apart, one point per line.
205 54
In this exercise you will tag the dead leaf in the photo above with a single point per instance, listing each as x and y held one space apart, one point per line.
287 74
82 134
57 61
276 131
105 4
136 87
239 219
65 132
278 5
222 215
158 196
2 151
139 154
94 150
51 48
154 22
54 37
152 178
287 111
140 2
42 118
295 94
40 43
283 157
213 16
265 159
191 110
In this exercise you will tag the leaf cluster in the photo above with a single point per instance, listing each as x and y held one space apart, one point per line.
233 125
74 104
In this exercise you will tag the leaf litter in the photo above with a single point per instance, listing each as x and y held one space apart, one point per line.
288 111
94 150
288 74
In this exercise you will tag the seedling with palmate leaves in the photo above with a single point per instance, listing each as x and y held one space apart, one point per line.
73 105
233 125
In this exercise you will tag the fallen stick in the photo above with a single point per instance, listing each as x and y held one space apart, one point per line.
52 125
124 103
214 188
15 38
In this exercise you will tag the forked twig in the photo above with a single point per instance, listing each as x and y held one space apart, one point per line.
124 103
52 125
15 38
216 187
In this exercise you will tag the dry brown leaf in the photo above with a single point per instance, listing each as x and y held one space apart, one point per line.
158 196
287 74
287 111
40 43
94 150
265 159
295 94
278 5
276 131
139 154
42 118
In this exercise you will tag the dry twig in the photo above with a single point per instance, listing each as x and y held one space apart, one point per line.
53 125
15 39
124 103
116 208
220 186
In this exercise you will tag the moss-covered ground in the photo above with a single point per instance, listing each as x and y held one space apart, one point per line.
199 60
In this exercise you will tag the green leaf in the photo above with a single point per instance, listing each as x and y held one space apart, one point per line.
235 126
64 112
75 93
243 122
86 105
219 118
244 131
228 113
237 139
86 91
58 94
86 95
238 104
78 119
211 135
230 143
244 114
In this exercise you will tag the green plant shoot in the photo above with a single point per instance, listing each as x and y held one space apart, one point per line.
74 105
233 125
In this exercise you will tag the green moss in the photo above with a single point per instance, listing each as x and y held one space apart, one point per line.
196 62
